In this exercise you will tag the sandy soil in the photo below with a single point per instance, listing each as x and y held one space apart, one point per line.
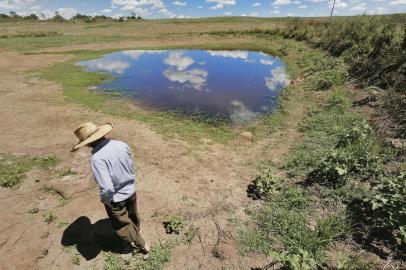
206 183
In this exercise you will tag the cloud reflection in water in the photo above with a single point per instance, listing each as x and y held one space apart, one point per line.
242 84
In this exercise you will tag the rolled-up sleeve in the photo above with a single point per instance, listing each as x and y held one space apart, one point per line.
102 176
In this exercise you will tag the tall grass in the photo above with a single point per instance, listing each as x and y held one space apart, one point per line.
373 47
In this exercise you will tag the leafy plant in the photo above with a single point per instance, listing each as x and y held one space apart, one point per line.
173 224
388 201
67 171
360 131
159 255
296 261
49 217
266 183
333 170
345 262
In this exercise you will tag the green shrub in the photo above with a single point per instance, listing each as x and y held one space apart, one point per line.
360 131
332 171
388 201
174 224
266 183
326 79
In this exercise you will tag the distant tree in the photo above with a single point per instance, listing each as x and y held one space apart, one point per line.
33 16
13 14
82 17
57 17
42 15
133 16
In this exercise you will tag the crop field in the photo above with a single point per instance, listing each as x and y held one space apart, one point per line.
318 183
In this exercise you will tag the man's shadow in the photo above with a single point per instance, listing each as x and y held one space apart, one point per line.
90 239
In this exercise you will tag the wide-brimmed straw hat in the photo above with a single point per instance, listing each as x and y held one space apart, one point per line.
89 132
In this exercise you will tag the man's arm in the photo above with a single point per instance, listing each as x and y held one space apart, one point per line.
102 176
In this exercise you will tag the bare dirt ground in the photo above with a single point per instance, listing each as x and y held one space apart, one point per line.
206 183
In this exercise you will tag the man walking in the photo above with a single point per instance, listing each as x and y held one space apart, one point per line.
113 170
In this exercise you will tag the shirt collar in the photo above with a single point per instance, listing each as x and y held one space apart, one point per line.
100 145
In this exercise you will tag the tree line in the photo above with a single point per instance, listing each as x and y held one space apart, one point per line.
13 16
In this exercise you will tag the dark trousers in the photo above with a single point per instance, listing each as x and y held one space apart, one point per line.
126 220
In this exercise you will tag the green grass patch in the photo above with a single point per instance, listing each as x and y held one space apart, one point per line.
113 261
336 143
281 227
67 171
49 217
30 43
159 255
13 167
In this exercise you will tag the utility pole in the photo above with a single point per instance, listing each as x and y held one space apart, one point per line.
332 9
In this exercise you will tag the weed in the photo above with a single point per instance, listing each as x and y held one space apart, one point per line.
113 261
173 224
388 202
49 217
265 184
33 210
46 162
76 259
297 261
346 262
67 171
62 224
189 235
159 255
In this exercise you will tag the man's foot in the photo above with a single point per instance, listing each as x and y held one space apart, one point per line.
145 251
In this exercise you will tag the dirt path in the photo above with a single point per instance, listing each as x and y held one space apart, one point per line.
205 183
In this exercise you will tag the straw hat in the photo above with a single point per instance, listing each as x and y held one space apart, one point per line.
89 132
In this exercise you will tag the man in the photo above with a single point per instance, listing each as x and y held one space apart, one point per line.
113 170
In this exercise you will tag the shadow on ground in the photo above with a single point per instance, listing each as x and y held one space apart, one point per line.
90 239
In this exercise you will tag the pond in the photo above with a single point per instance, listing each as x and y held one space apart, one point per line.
237 85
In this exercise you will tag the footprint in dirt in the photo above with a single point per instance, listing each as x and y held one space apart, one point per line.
90 239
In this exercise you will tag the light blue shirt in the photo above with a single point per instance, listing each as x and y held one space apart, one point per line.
113 170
